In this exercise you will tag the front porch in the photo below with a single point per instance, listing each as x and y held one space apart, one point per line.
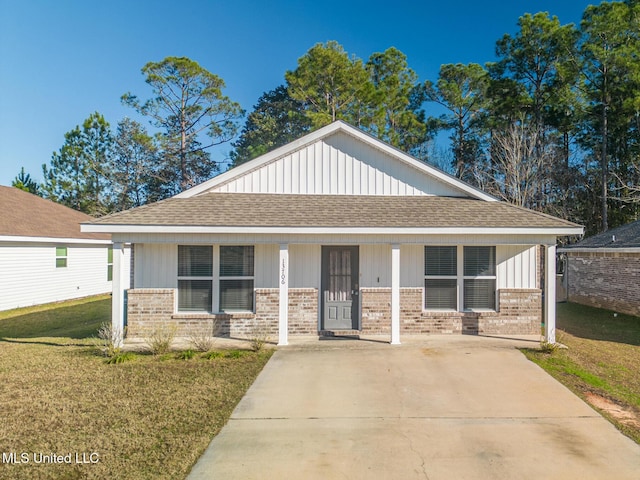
392 311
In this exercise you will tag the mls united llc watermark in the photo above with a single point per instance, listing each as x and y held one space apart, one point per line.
51 458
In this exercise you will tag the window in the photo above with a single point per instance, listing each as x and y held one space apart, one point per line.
195 276
441 282
109 264
231 285
236 278
479 278
61 257
447 284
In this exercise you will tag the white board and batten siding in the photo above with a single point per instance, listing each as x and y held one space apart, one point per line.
337 165
28 273
156 266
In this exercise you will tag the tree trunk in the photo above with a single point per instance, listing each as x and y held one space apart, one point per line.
604 164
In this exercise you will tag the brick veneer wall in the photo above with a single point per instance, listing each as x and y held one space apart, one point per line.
150 309
608 280
520 312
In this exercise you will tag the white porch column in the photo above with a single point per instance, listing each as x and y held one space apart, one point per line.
118 286
283 315
550 294
395 294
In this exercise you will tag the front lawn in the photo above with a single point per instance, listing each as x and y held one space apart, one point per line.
150 417
601 363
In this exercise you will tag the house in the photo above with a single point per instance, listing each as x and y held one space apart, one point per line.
604 270
44 257
335 233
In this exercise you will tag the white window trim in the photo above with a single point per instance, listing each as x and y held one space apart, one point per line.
460 278
210 278
477 277
221 278
215 280
425 307
61 257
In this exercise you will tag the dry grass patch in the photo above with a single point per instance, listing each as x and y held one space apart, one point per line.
145 418
601 363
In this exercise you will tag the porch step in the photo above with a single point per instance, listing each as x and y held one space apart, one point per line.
341 333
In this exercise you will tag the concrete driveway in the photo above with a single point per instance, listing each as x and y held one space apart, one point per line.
440 407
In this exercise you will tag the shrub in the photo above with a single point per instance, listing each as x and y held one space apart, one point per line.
203 340
160 339
108 341
121 358
186 355
259 336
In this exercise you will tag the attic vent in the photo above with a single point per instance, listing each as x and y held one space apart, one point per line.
613 238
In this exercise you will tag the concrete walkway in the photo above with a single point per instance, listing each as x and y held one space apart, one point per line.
442 407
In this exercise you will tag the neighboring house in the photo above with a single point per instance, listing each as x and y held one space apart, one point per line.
44 257
335 233
604 270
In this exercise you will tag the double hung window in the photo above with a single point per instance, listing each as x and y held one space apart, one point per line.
195 278
203 287
441 281
445 277
61 257
236 278
479 278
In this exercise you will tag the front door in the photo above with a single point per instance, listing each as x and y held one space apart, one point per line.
340 288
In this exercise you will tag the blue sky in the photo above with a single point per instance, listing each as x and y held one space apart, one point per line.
61 60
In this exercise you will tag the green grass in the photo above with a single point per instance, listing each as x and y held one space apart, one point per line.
76 319
145 417
602 358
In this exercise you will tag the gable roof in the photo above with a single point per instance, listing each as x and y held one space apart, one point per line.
216 212
333 134
23 214
626 236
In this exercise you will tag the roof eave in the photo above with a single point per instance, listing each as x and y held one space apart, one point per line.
599 250
203 229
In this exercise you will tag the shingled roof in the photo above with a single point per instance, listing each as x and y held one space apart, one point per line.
23 214
626 236
217 209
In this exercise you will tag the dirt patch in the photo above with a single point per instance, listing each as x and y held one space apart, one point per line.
622 414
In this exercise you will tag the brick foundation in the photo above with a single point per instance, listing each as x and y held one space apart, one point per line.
605 280
520 312
150 309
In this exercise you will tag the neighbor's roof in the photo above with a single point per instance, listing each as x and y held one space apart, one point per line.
626 236
238 211
23 214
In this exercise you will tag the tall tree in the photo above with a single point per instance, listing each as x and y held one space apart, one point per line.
518 164
396 116
77 176
133 166
537 63
276 120
331 85
462 90
23 181
187 106
608 46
